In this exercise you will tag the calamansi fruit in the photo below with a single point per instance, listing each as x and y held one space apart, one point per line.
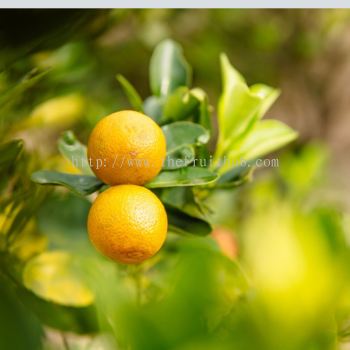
126 147
127 223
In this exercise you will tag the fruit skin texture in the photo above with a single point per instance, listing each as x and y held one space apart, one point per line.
127 223
126 147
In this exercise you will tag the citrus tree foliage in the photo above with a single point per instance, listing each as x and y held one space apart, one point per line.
185 115
189 295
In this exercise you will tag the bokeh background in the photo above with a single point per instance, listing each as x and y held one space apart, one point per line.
288 228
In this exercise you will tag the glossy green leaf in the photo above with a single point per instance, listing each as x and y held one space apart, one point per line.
180 105
74 151
237 175
183 133
183 223
179 157
241 135
153 107
177 197
79 184
266 136
168 68
267 95
237 106
190 176
185 199
180 139
131 93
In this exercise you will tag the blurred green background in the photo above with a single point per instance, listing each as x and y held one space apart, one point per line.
274 275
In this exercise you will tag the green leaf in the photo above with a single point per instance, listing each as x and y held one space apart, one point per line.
180 105
131 93
179 157
237 175
177 197
267 95
183 133
79 184
190 176
266 137
74 151
168 68
67 228
185 199
153 107
180 139
241 135
183 223
237 106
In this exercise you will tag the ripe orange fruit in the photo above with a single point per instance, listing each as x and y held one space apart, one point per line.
126 147
127 223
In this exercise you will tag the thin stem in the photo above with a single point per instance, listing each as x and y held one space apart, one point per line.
65 341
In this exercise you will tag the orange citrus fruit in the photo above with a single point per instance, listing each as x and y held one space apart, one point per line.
126 147
127 223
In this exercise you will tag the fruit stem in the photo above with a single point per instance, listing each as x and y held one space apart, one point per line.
136 273
65 341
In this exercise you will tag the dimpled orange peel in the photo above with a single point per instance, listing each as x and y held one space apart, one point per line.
127 223
126 147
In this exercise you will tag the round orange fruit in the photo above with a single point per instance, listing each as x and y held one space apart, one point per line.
126 147
127 223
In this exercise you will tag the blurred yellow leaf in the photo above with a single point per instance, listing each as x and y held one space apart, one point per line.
52 276
59 112
28 242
